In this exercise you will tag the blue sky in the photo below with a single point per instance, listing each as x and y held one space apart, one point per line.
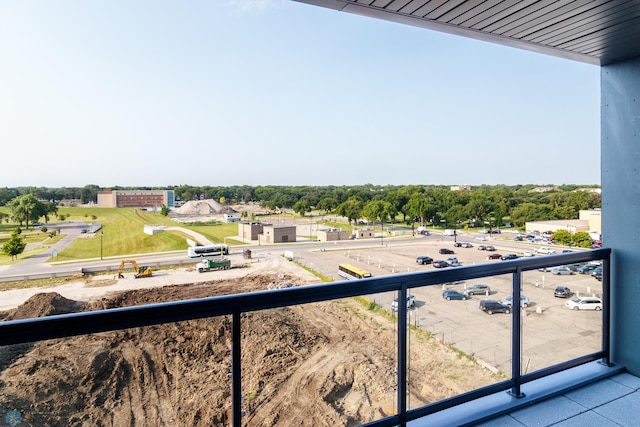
275 92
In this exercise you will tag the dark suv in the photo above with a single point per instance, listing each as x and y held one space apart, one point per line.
445 251
587 268
492 306
424 260
562 292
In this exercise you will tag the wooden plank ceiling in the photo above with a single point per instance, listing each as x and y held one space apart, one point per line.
593 31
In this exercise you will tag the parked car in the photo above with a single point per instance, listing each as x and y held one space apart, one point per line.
561 270
424 260
480 238
457 244
584 303
527 254
411 302
489 248
492 306
524 301
507 257
440 264
598 277
478 289
596 271
450 294
481 247
562 292
587 268
573 267
445 251
466 245
494 256
452 260
544 251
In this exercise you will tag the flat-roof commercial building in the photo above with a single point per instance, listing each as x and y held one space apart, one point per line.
136 199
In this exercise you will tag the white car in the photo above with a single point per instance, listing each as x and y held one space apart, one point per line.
545 251
527 253
411 303
524 301
584 303
561 270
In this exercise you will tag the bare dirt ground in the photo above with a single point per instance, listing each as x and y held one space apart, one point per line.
325 364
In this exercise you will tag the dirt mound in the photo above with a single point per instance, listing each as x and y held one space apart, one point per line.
44 304
324 364
203 207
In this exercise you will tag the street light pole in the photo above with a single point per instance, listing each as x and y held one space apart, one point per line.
445 227
101 234
382 233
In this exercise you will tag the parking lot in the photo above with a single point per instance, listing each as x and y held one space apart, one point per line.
551 332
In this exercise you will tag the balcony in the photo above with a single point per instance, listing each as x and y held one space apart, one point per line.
564 383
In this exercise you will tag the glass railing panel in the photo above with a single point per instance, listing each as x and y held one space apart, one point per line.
453 345
556 329
312 363
171 374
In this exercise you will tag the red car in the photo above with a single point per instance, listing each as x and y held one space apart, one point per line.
440 264
494 256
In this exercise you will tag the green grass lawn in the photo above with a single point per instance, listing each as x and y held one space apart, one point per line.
122 234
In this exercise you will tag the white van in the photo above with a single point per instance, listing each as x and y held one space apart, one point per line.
449 232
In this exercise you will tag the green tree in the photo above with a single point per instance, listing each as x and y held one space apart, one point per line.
562 237
379 210
14 246
164 211
417 207
327 204
530 212
25 208
581 239
351 209
6 195
302 207
398 200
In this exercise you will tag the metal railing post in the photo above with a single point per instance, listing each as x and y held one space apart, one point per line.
516 333
402 354
236 370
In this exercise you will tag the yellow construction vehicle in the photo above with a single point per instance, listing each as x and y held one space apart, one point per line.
140 271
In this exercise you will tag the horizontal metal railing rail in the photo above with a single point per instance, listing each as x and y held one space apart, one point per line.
60 326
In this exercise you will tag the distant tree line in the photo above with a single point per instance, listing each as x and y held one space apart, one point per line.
482 205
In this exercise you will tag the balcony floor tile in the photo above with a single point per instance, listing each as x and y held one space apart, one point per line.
548 412
610 402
